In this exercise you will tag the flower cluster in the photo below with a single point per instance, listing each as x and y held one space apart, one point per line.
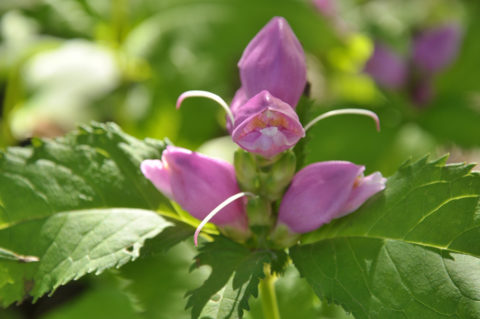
432 51
279 202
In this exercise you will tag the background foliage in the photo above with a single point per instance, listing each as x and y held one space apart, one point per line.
65 62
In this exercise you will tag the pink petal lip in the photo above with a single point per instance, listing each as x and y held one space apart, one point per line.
268 133
323 191
266 125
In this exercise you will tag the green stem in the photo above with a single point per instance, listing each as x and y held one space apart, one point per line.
268 296
12 97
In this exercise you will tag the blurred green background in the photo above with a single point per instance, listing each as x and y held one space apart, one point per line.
64 62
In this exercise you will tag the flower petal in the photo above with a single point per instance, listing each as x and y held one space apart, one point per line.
316 195
363 189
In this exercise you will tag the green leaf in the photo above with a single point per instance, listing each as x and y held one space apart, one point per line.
235 274
452 118
72 244
168 238
158 282
96 166
89 170
411 252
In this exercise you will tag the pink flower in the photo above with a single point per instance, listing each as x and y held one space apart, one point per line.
266 125
198 184
386 67
323 191
436 48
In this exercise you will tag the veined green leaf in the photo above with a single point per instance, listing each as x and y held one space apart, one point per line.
411 252
94 167
72 244
60 198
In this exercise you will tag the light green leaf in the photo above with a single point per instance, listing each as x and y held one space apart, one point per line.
72 244
222 304
411 252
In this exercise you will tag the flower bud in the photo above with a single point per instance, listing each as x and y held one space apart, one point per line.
434 49
279 176
266 125
386 67
274 61
198 184
246 171
259 212
323 191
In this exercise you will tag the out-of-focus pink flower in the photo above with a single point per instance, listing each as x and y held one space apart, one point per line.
198 184
266 125
323 191
327 8
436 48
386 67
274 61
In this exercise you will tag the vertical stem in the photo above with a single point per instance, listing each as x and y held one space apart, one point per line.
12 97
268 296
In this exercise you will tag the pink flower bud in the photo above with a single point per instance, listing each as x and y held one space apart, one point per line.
266 125
198 184
436 48
323 191
386 67
274 61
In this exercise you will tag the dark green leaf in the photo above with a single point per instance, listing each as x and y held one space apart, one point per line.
235 274
168 238
412 252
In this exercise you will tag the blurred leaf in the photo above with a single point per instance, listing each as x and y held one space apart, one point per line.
157 283
451 119
236 273
71 244
353 138
103 301
459 77
410 252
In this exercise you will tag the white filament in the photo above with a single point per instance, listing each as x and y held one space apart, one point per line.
345 111
208 95
222 205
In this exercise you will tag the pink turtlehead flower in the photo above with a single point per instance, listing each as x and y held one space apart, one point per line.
323 191
386 67
266 125
274 61
436 48
198 184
